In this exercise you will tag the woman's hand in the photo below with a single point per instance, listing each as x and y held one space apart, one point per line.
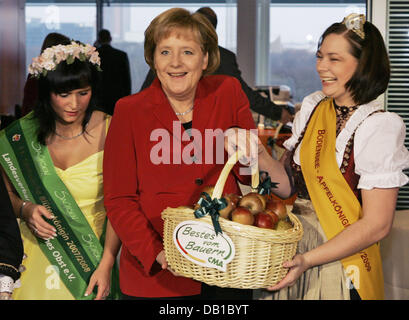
33 214
246 141
297 267
102 278
161 259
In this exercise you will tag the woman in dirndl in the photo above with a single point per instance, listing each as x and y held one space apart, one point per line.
345 159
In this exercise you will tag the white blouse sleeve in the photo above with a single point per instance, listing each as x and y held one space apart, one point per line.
301 118
379 152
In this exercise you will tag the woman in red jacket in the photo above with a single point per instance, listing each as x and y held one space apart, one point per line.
158 153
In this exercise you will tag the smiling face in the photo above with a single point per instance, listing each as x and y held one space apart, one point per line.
70 107
179 63
335 67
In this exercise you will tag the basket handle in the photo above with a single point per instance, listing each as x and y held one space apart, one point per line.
218 188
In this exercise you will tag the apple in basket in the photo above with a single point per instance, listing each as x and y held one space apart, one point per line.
263 220
242 215
284 225
273 215
209 190
234 197
278 208
252 201
231 205
263 199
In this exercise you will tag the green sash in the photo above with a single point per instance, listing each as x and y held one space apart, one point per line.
76 250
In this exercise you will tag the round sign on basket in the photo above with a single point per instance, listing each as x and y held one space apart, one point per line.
198 242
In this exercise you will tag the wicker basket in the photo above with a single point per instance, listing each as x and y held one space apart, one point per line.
259 253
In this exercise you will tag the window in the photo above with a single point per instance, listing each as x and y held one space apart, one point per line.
75 20
126 20
397 96
295 28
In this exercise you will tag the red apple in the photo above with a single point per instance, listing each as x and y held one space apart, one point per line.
252 202
263 199
278 208
263 220
234 197
273 215
225 212
242 215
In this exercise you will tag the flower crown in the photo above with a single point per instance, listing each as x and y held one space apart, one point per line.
355 22
51 57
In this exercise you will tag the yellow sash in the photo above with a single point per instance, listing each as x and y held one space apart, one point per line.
334 202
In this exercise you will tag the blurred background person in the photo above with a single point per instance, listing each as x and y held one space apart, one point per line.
116 75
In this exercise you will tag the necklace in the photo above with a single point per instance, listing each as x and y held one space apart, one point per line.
345 111
186 112
73 137
343 114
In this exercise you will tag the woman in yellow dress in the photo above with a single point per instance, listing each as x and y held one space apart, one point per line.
52 165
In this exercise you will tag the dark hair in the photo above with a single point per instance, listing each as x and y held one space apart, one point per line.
65 78
372 75
183 20
209 14
104 36
53 39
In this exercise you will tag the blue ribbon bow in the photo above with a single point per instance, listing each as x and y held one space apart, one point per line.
209 206
265 186
271 142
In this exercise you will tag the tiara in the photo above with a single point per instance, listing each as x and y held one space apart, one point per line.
355 22
51 57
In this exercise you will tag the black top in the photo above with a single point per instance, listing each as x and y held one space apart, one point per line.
116 77
187 125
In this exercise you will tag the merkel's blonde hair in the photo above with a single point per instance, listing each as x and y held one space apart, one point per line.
183 20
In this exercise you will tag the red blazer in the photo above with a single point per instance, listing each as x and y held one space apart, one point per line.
137 190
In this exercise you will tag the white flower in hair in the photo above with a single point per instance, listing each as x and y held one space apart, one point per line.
47 54
51 57
49 65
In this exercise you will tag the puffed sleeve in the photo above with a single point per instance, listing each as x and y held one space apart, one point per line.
380 153
302 117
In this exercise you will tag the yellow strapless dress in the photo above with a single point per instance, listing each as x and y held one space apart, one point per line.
40 280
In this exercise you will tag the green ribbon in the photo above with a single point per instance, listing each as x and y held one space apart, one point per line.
265 186
209 206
